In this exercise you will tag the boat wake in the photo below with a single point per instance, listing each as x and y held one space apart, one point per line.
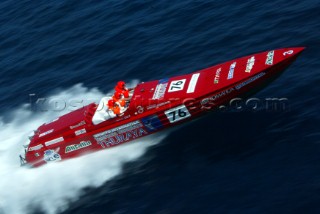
50 188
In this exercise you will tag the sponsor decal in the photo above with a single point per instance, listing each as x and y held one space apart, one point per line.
217 76
231 70
123 118
79 132
75 147
250 64
152 123
51 156
193 83
289 52
45 133
217 96
222 93
269 60
176 85
54 141
177 114
249 80
157 105
34 148
120 134
77 125
160 89
205 101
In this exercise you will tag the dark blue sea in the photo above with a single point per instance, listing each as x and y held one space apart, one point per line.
226 162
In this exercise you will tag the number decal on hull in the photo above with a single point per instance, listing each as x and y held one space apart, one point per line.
178 113
288 52
176 85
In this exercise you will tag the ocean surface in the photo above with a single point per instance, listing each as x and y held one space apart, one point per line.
226 162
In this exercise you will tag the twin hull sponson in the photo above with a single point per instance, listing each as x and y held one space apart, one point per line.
154 106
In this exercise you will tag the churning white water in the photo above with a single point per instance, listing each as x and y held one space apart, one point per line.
53 186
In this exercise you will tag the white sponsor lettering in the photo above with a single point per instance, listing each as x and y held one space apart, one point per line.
249 80
120 134
160 90
217 76
54 141
45 133
217 96
193 83
250 64
128 125
157 105
269 60
231 70
117 138
79 132
77 125
34 148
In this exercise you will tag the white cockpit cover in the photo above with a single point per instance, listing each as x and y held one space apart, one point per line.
102 113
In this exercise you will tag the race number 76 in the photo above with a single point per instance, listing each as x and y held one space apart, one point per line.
178 113
176 85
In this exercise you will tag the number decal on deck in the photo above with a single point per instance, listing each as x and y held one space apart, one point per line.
176 85
178 113
288 52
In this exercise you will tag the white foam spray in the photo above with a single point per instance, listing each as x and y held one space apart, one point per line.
51 187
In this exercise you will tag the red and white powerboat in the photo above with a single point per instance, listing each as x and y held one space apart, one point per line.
154 106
